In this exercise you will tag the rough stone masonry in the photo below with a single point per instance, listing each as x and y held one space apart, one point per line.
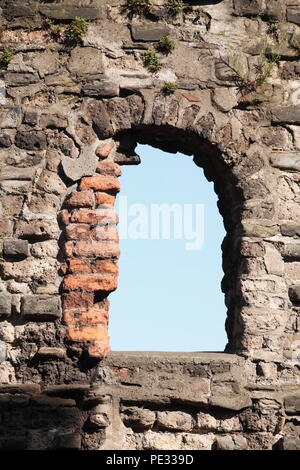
72 110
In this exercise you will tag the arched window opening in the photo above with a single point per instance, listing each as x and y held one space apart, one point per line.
169 296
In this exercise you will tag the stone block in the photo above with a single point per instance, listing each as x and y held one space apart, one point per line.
13 173
286 114
5 140
41 307
10 116
248 7
273 261
286 160
289 443
48 352
292 251
231 443
15 248
7 332
86 61
292 404
294 294
100 87
54 120
31 140
293 14
70 11
138 418
50 182
101 120
99 420
290 230
18 79
149 32
6 228
5 305
175 420
37 229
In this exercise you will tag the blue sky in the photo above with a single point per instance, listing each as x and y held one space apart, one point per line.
169 298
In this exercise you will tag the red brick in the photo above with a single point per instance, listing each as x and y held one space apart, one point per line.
103 199
79 266
99 350
68 249
90 282
105 267
88 333
101 183
63 217
78 300
78 232
190 97
81 199
109 169
105 233
94 316
97 216
103 250
104 150
63 269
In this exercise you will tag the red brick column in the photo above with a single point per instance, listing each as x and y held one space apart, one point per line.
91 252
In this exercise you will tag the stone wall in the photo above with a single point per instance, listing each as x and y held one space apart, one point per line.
72 112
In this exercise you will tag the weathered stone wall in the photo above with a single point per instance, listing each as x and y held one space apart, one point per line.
72 113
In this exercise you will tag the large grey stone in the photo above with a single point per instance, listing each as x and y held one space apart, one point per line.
85 165
149 32
13 173
293 14
292 404
290 443
17 79
10 116
294 293
85 61
231 443
32 140
288 114
248 7
290 230
15 248
175 420
292 251
138 418
5 305
100 87
37 229
41 307
224 98
70 11
286 160
101 120
19 9
231 402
